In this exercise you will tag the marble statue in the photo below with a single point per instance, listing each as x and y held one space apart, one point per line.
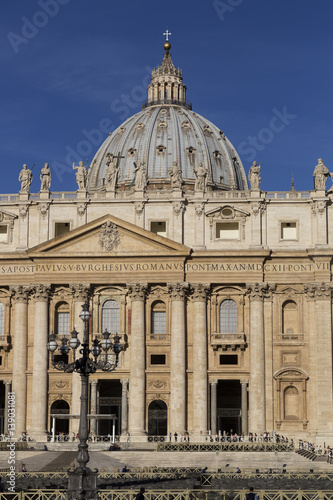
254 175
81 175
45 177
25 178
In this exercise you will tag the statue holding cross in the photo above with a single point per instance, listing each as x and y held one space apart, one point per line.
112 170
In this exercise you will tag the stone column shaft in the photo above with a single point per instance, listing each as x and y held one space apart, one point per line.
245 426
124 406
20 330
40 365
178 359
200 389
257 368
213 406
7 391
137 392
93 405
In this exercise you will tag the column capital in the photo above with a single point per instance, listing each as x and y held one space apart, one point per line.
137 291
318 291
258 291
41 292
200 292
7 382
20 293
94 381
80 291
213 381
178 291
244 382
124 381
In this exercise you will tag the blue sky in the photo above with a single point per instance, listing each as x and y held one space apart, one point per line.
73 69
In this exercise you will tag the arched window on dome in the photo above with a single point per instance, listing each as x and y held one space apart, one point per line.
2 319
158 318
228 316
110 316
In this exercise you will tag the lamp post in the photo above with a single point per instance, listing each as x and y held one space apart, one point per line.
82 483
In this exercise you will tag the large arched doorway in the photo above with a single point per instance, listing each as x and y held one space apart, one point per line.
60 407
157 418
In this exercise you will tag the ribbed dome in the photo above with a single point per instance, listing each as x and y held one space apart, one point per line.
168 131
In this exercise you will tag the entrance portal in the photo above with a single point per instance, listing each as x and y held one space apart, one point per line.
229 406
61 424
109 402
157 418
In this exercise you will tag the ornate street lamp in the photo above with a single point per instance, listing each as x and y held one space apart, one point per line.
82 483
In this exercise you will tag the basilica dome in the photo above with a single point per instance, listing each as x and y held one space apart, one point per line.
165 133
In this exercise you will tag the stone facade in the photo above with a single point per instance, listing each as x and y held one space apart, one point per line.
222 298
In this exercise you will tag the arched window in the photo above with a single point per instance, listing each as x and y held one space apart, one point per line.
158 318
228 316
291 403
2 319
110 316
62 319
289 317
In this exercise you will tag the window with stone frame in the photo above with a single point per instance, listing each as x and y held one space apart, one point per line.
62 319
158 318
110 316
228 316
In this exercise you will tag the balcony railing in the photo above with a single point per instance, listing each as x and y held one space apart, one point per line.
228 340
186 104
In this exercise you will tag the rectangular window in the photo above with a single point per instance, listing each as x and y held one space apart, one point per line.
158 322
288 231
3 233
228 359
157 359
227 230
158 228
63 323
61 228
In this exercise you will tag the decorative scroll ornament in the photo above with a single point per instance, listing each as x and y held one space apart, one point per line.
109 236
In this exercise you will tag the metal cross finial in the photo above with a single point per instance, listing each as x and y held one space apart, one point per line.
167 33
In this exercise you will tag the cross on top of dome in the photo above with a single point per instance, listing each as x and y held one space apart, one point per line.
166 34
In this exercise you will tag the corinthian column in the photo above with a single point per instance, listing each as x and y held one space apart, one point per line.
245 426
200 390
137 392
213 406
323 357
178 358
257 352
20 330
40 365
124 405
80 294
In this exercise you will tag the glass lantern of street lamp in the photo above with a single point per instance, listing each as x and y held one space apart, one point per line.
74 341
96 350
117 347
106 342
52 344
85 314
64 348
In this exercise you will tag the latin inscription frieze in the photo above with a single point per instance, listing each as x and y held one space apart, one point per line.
159 266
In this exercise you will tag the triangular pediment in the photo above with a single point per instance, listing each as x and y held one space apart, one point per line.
226 212
109 236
